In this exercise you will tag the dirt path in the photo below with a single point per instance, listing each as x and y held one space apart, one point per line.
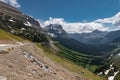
26 62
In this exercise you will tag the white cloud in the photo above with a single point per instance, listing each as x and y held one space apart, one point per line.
113 20
13 3
107 24
77 27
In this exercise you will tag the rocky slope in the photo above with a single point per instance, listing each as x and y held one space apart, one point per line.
24 61
6 9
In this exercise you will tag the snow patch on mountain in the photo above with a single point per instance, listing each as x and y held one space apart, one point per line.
112 77
27 23
11 20
119 54
107 71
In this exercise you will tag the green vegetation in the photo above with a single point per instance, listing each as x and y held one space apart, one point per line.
73 67
87 61
88 49
78 58
92 68
19 29
6 36
117 77
116 60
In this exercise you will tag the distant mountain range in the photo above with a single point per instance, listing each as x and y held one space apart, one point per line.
94 38
95 42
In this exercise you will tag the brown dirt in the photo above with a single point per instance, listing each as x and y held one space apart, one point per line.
15 66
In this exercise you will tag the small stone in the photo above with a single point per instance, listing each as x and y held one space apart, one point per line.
29 74
3 78
46 67
4 52
10 66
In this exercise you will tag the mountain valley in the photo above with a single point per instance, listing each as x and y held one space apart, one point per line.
31 52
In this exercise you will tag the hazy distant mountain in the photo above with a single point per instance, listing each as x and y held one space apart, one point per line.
113 35
94 38
88 43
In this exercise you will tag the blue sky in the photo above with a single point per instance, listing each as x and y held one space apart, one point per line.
70 10
102 15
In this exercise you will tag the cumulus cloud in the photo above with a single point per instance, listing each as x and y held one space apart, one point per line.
107 24
13 3
113 20
77 27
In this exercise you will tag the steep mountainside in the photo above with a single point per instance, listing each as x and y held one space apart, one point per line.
16 14
113 35
17 23
23 60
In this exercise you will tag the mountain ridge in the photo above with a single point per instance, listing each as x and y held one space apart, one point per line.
16 14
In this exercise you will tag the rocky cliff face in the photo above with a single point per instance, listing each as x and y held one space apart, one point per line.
17 23
16 14
55 30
